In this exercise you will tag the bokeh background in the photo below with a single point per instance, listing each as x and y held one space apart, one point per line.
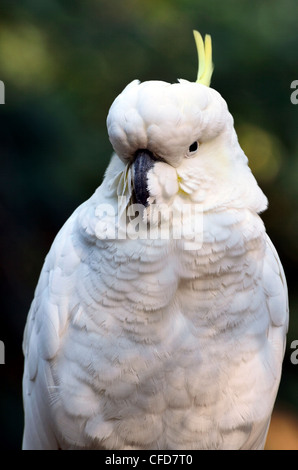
63 62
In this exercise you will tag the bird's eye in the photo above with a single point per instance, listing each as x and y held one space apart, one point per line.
193 147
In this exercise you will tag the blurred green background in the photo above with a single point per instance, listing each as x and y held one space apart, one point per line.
63 62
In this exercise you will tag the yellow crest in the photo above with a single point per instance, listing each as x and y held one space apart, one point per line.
205 68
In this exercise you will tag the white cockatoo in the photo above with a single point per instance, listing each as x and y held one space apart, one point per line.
159 320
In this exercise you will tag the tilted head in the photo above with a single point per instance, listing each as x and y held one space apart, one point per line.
179 141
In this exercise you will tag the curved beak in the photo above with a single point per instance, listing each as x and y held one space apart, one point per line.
144 161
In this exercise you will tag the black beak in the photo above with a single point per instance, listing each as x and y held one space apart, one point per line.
144 161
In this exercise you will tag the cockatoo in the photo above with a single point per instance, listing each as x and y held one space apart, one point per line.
160 317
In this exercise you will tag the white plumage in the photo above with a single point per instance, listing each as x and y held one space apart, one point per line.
142 343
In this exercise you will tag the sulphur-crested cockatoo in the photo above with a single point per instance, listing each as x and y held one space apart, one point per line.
160 316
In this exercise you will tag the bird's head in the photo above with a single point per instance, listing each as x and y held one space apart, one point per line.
178 142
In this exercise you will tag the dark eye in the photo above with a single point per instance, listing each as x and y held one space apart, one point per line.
193 147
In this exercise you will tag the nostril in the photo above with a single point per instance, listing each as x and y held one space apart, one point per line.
150 154
141 152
